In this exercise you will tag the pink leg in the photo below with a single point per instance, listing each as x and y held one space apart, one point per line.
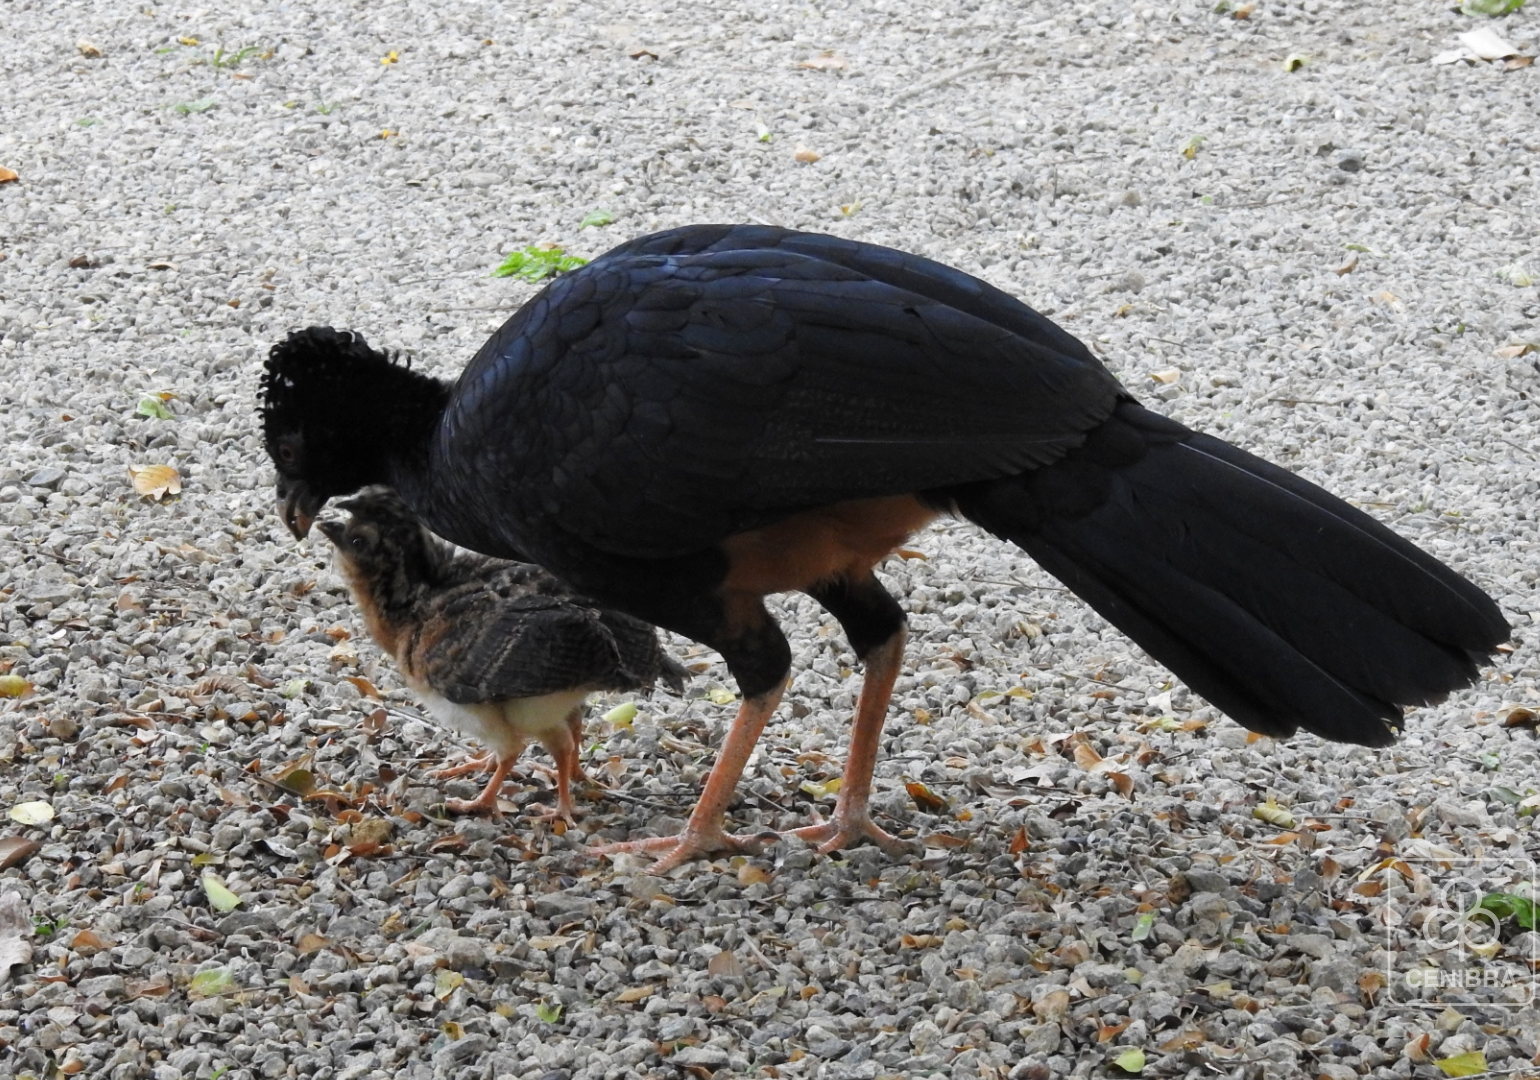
486 802
569 767
703 834
485 762
852 821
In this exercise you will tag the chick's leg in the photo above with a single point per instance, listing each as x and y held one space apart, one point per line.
486 802
569 767
486 762
703 833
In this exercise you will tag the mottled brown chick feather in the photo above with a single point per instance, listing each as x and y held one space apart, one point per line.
500 651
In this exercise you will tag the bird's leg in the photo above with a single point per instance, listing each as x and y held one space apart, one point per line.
486 802
486 762
703 833
874 623
569 767
852 821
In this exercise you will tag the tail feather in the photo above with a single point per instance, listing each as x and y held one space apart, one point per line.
1276 601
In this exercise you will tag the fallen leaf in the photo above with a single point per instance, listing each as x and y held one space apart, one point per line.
8 175
1347 267
1244 11
14 686
1130 1061
446 982
548 1013
390 57
1087 757
634 993
155 481
15 850
919 941
1019 841
15 934
1470 1063
1273 814
548 942
803 154
299 782
88 943
365 687
1513 352
221 899
749 874
1166 377
211 983
621 716
1490 8
32 813
1142 926
925 798
1295 61
88 50
1123 783
828 60
725 965
720 695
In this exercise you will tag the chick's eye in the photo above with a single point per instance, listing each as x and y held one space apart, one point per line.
357 543
286 453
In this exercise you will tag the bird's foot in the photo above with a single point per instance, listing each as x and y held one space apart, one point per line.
693 843
480 763
562 811
485 803
845 828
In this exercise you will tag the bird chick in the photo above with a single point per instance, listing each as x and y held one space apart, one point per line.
499 651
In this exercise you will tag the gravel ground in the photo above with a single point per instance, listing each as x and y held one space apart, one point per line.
1324 265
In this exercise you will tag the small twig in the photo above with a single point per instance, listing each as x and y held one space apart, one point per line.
941 80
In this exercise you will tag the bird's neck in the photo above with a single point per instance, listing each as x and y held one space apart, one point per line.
408 422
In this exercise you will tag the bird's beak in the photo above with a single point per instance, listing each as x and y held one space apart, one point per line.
332 530
298 506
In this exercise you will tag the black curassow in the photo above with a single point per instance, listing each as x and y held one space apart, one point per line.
705 416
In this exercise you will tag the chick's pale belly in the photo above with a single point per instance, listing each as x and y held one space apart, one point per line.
505 727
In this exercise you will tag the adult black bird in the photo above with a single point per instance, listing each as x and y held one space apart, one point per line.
500 651
705 416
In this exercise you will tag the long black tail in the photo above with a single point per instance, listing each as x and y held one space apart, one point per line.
1279 603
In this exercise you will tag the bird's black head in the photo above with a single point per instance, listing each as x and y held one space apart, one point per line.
383 548
338 416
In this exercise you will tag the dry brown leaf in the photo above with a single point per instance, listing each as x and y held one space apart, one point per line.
89 942
88 49
7 175
1087 757
806 155
15 934
828 60
1019 841
749 874
634 993
155 481
310 943
365 687
1347 267
1053 1006
919 941
1123 783
924 797
1166 377
15 850
1244 11
1521 717
1187 1040
725 965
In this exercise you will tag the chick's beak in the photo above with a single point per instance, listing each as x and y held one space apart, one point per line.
298 506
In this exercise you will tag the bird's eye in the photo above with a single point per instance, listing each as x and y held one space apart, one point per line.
357 543
286 453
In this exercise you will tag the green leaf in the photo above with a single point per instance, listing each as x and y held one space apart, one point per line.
295 687
1507 795
1520 909
721 695
446 982
1130 1061
211 983
154 408
534 264
621 715
549 1013
1142 926
32 812
1295 61
1518 275
596 218
221 899
1470 1063
1492 8
203 105
1190 147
